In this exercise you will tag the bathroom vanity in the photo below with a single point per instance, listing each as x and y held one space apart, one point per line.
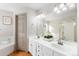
40 47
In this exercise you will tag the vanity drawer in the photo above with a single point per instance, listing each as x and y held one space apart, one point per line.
58 54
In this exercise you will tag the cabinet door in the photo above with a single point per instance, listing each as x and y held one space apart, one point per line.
43 50
34 49
58 54
47 51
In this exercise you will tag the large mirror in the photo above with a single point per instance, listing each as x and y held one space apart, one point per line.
62 25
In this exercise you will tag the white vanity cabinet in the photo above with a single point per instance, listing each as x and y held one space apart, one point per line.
43 50
39 47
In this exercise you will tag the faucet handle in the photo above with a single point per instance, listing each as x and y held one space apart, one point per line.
60 42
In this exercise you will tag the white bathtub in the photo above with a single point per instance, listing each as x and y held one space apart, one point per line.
6 48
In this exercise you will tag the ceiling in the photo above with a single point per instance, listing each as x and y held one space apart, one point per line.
13 6
37 7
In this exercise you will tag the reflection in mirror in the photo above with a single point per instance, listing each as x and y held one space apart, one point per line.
62 25
59 24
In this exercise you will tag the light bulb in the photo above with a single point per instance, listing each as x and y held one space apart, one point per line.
61 6
58 11
55 9
64 8
71 5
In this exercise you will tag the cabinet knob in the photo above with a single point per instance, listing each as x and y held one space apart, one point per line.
38 50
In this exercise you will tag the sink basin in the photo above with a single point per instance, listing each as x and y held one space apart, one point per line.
64 46
71 49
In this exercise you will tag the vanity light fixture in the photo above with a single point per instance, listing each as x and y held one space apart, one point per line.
41 16
63 7
57 10
71 5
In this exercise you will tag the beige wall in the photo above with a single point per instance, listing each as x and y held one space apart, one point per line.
7 31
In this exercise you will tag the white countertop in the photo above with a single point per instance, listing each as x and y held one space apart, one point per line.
66 49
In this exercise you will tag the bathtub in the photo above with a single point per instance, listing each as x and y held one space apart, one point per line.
6 47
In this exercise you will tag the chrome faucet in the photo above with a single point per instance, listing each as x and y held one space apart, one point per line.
61 35
60 42
61 38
